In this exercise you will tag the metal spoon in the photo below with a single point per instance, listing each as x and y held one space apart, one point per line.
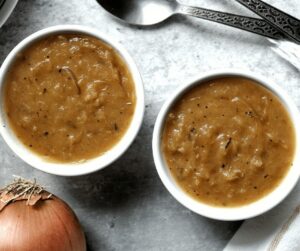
150 12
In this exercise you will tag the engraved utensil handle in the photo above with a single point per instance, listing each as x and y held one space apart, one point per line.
288 24
254 25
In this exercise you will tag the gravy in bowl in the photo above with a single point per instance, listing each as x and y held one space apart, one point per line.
228 142
69 97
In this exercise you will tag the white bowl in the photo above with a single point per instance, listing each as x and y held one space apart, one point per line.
234 213
92 165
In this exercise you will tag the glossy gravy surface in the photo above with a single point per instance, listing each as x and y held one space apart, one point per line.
228 142
69 97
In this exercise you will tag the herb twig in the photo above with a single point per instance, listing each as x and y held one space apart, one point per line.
21 188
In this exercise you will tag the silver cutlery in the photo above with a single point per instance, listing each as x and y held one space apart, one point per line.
284 22
275 24
150 12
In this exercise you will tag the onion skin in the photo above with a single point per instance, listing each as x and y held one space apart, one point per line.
49 225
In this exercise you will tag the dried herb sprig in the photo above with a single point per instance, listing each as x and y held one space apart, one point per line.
22 189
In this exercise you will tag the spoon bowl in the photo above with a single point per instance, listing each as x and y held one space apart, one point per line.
140 12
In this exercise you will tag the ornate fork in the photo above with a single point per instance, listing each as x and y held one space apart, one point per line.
286 23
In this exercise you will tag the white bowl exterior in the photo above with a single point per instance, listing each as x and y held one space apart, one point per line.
232 213
88 166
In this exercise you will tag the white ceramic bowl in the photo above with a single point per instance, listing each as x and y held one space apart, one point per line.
92 165
234 213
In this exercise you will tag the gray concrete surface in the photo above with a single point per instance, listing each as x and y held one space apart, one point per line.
125 206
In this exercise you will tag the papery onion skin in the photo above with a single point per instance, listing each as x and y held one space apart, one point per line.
49 225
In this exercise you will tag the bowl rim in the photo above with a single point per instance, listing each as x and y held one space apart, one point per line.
91 165
243 212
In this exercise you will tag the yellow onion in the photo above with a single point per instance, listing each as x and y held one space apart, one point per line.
32 219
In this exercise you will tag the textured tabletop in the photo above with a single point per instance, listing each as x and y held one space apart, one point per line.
125 206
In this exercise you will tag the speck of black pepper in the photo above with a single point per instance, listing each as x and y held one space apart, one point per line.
198 105
228 143
223 165
44 90
59 70
204 116
25 78
116 127
30 145
48 56
206 107
266 176
46 133
255 187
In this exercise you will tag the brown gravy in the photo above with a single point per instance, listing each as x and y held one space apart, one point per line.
69 97
228 142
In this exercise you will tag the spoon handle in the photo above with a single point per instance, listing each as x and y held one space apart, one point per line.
254 25
288 24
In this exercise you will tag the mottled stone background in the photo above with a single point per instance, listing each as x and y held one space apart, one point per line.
125 206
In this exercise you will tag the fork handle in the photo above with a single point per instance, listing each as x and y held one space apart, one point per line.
254 25
288 24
